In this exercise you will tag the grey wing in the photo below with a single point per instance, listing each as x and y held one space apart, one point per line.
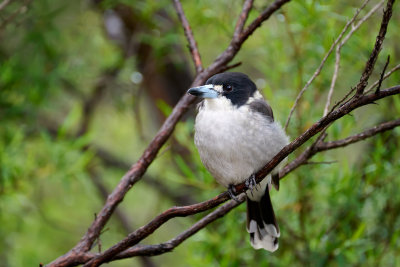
263 108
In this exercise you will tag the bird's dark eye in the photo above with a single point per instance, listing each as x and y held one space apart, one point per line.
228 88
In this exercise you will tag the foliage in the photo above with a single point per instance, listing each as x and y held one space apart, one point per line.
55 53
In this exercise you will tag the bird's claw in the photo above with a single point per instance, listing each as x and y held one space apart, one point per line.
251 183
232 192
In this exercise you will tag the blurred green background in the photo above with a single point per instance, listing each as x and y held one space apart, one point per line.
84 86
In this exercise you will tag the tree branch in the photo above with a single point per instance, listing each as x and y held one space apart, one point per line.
248 4
171 244
369 66
387 75
321 65
189 36
10 18
323 146
338 55
144 231
4 4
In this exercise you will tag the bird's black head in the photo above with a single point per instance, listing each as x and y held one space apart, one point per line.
235 86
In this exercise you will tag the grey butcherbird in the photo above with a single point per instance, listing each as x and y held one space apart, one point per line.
236 135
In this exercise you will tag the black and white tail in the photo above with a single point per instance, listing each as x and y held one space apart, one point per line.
261 222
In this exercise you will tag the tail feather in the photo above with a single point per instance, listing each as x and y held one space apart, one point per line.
261 223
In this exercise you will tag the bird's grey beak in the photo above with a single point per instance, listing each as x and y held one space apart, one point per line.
205 91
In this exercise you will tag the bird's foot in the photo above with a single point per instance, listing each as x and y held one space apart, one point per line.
232 192
251 183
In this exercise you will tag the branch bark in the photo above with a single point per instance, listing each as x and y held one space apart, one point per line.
189 36
369 66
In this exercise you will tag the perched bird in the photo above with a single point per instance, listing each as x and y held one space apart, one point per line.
236 135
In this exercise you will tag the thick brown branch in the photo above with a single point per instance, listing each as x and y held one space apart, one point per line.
359 137
153 250
319 126
262 17
235 45
144 231
171 244
189 36
323 146
369 66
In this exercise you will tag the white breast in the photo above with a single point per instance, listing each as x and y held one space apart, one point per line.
235 142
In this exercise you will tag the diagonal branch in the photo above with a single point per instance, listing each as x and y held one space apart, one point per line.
369 66
387 75
248 4
323 146
383 127
320 125
262 17
4 4
189 36
226 56
171 244
144 231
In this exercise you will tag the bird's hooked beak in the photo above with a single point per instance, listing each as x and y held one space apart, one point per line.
205 91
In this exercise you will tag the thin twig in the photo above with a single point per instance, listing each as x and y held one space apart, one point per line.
333 81
319 162
323 146
189 36
369 66
144 231
10 18
4 4
338 49
226 56
262 17
171 244
248 4
318 70
387 75
361 136
229 67
382 74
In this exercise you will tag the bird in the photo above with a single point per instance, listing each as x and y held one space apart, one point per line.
236 135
